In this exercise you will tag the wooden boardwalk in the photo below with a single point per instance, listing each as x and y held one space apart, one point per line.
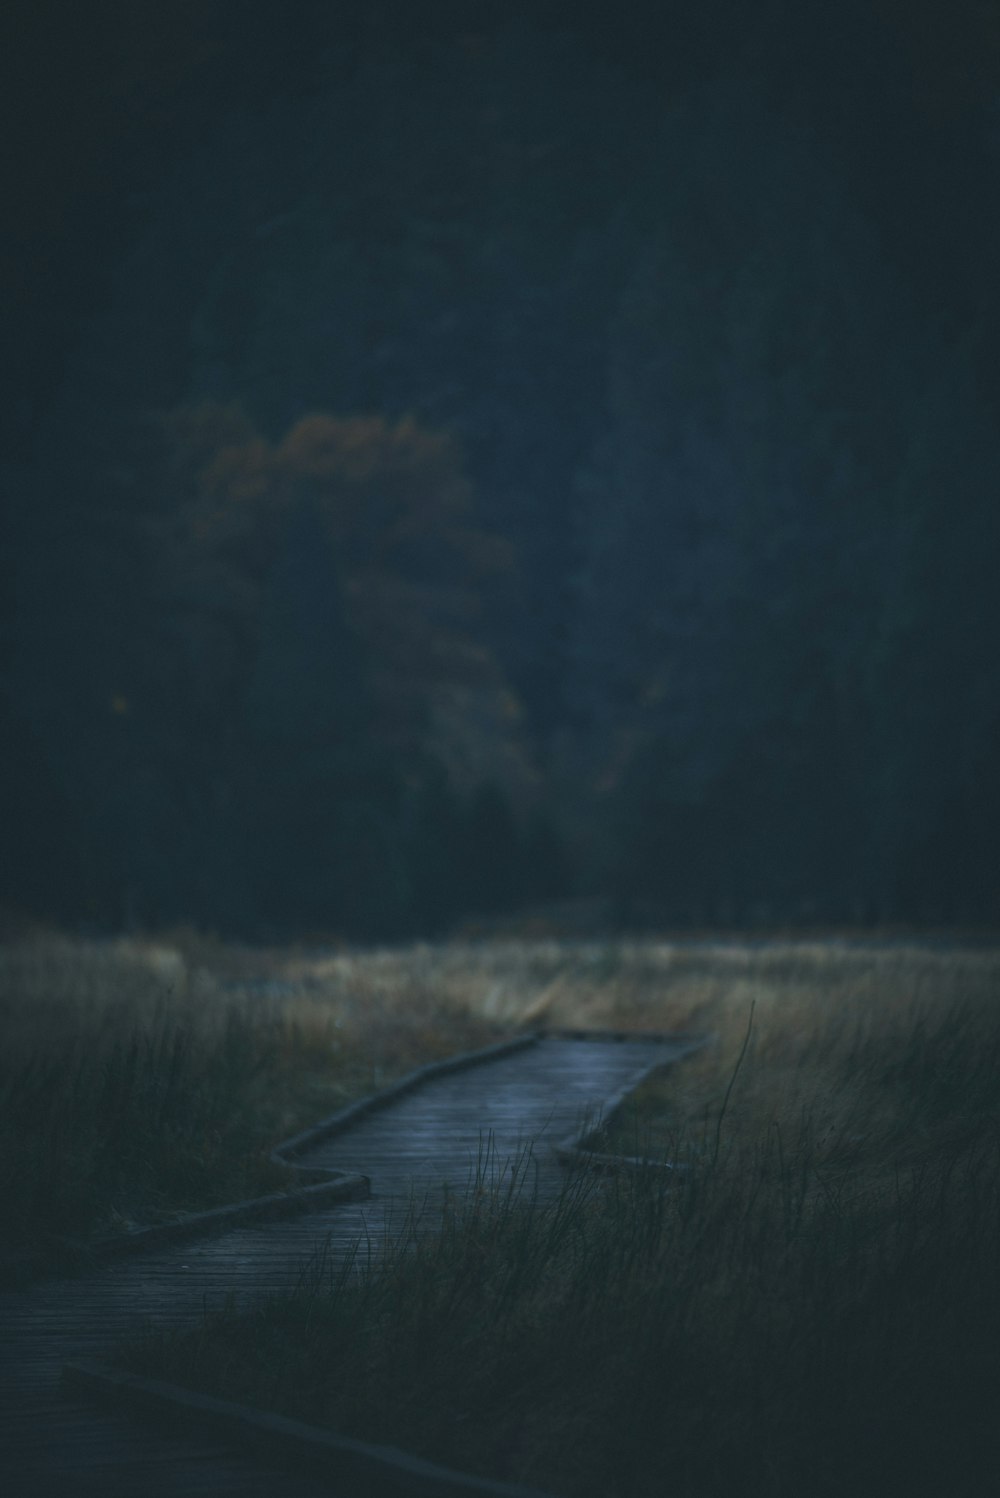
424 1141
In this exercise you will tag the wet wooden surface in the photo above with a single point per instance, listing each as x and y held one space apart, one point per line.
508 1110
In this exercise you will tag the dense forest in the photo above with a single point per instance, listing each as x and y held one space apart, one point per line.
458 458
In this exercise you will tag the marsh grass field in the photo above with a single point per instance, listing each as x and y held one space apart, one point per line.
807 1302
140 1080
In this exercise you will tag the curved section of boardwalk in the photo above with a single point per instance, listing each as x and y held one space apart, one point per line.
509 1109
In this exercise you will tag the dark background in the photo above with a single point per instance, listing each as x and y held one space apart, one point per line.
462 457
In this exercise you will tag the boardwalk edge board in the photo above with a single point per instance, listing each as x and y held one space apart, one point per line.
76 1254
378 1471
686 1038
344 1187
338 1122
574 1150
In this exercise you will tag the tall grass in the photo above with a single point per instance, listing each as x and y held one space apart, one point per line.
139 1081
813 1306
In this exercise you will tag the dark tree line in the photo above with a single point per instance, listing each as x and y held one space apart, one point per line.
495 461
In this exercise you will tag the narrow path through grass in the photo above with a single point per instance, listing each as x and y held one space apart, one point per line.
133 1089
813 1307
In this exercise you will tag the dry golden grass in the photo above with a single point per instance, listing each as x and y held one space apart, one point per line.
212 1053
852 1047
